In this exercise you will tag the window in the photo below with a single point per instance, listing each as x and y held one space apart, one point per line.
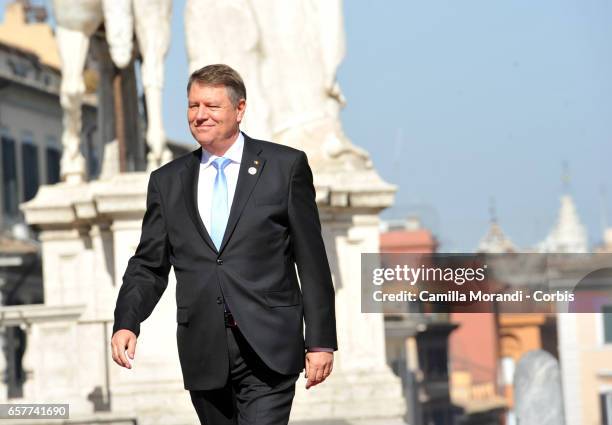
437 415
507 370
53 165
15 343
9 177
607 322
29 162
434 361
605 401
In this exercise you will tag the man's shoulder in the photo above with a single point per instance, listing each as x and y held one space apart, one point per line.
269 149
276 150
177 164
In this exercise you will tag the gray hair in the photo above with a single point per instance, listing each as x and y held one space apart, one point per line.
220 75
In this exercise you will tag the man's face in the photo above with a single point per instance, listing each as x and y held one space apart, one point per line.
212 118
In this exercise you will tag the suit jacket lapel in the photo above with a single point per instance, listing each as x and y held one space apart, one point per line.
189 178
251 158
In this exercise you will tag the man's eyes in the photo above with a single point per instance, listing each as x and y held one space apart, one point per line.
195 106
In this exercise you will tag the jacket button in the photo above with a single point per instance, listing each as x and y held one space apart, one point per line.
219 261
219 300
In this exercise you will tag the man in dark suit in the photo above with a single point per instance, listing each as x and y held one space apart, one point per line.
233 218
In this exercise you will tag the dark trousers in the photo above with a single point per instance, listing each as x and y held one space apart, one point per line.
253 395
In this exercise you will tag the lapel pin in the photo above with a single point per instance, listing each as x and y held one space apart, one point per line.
252 170
256 162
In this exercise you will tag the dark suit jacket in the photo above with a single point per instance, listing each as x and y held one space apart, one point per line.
273 225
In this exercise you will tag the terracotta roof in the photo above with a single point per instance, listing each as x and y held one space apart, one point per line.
407 237
16 246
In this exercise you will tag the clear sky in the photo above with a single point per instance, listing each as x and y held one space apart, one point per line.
488 98
459 102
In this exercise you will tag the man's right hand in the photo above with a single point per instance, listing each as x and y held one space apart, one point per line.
123 339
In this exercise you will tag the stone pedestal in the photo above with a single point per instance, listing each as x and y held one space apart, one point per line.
88 233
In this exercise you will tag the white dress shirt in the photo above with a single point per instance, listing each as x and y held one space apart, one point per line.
206 178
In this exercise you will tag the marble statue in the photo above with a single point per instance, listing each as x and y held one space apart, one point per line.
537 388
76 23
153 33
290 55
210 35
75 26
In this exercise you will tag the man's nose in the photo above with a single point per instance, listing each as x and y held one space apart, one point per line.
202 113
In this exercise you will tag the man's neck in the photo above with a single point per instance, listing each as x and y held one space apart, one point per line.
221 148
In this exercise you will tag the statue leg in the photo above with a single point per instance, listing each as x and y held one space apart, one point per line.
119 27
159 153
153 33
73 46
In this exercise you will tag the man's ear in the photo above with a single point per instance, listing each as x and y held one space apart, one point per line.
241 108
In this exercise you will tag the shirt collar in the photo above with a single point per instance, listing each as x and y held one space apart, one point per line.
234 153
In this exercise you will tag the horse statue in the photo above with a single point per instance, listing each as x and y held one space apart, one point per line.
76 22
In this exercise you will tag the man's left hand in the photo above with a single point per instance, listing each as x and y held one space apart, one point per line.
319 365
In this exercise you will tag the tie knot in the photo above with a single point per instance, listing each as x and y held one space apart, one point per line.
220 163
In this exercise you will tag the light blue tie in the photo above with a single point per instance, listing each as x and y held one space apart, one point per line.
219 210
